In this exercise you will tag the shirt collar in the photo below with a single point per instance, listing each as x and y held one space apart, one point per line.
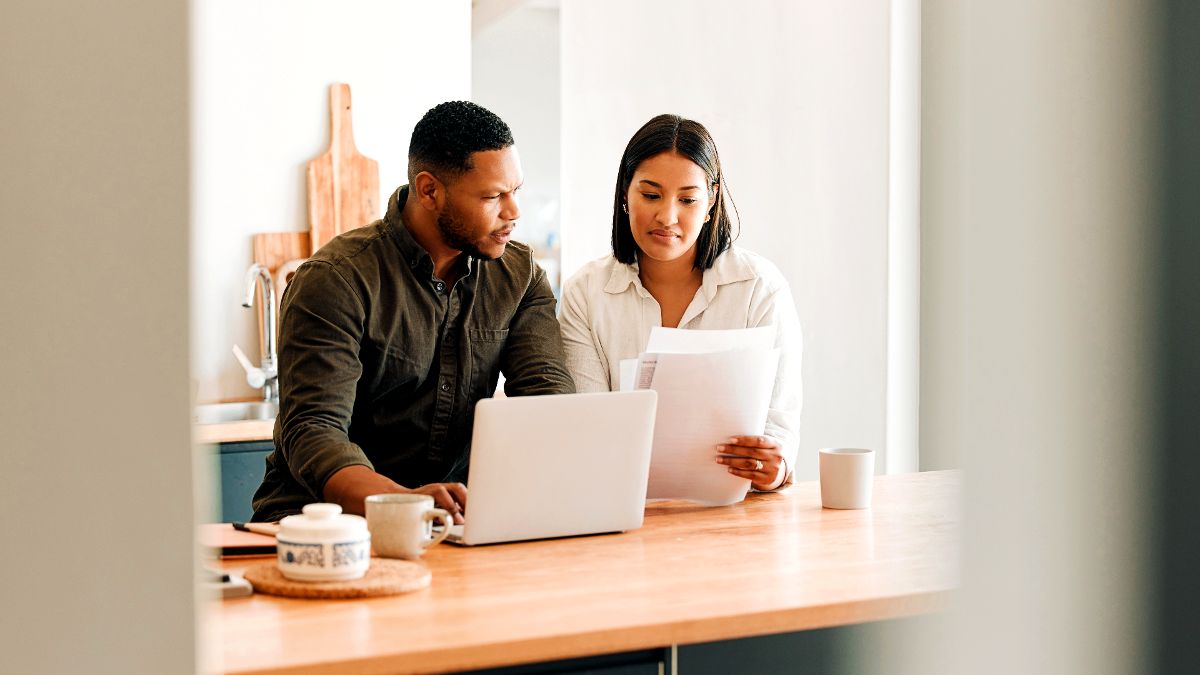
409 248
729 268
621 275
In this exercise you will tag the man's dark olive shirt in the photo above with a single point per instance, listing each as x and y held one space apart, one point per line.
381 363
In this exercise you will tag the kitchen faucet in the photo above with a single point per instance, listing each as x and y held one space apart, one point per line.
266 375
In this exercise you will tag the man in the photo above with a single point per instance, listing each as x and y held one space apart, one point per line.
392 332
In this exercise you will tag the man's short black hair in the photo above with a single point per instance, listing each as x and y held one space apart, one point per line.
442 142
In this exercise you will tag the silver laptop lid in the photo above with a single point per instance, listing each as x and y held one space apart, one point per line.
557 466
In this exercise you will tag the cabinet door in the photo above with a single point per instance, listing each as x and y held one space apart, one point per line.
644 662
242 466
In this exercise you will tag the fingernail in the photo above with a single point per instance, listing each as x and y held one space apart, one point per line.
733 440
720 448
720 460
732 470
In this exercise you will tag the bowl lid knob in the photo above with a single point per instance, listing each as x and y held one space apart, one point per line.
322 511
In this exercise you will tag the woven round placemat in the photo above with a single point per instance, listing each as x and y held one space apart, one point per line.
384 577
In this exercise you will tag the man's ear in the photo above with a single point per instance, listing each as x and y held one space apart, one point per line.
429 191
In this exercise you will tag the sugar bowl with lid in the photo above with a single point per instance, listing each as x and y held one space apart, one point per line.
323 544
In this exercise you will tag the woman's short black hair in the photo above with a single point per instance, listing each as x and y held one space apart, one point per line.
442 142
672 133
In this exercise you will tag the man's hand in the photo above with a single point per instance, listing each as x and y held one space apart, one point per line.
449 496
758 458
351 485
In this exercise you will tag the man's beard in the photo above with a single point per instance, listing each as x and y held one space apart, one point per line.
456 234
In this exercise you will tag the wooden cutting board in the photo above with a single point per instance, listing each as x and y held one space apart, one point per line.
272 249
343 186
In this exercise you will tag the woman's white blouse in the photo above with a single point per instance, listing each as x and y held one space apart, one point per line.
606 316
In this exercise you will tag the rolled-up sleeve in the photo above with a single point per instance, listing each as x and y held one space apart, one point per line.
787 397
532 360
321 327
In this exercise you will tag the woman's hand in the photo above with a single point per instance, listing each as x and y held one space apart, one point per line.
758 458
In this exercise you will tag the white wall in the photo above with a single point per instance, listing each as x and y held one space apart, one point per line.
796 96
904 240
261 73
97 572
515 74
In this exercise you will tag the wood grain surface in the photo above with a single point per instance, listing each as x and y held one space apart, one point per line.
343 186
773 563
216 536
233 432
272 249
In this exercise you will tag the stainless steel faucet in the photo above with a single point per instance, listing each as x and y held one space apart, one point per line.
266 375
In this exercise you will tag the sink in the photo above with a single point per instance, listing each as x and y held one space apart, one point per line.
218 413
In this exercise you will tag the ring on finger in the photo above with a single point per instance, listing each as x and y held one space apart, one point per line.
758 465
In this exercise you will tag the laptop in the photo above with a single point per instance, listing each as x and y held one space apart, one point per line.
557 466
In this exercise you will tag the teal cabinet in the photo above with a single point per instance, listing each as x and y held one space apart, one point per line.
240 468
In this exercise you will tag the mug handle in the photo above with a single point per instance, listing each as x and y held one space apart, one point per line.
447 522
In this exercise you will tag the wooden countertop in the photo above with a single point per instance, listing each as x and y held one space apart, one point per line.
773 563
233 432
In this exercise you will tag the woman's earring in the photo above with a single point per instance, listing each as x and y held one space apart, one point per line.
625 207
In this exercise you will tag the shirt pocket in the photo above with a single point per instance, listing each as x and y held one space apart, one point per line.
486 346
387 369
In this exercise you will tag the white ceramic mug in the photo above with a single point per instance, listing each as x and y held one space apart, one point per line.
847 475
401 524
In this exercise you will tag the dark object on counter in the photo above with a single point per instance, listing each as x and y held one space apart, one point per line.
269 529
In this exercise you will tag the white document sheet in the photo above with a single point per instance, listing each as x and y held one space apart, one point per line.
703 399
682 341
628 370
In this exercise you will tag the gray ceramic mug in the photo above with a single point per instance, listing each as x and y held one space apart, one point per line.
401 524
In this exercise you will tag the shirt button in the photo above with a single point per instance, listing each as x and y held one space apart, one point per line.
440 286
445 386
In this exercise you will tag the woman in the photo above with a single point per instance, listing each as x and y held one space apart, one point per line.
674 265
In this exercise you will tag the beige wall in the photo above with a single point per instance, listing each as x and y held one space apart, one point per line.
97 562
1036 325
944 216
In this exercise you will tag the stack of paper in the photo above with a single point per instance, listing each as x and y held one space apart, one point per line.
711 384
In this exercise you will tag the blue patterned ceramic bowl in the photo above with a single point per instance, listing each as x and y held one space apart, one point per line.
323 544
